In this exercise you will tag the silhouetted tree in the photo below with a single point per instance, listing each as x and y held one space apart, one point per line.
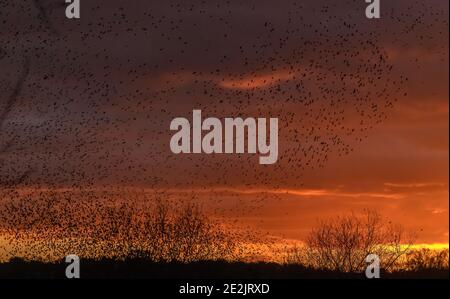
52 225
343 243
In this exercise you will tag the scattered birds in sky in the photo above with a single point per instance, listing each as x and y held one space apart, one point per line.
88 102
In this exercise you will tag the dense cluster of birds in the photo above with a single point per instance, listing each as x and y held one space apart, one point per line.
88 102
102 225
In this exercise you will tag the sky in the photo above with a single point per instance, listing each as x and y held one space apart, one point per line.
362 105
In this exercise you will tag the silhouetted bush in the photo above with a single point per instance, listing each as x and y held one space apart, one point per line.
427 259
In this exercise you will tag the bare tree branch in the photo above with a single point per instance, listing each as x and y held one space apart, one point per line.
343 243
7 108
13 98
43 14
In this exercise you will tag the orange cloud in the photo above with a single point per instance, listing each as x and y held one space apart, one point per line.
257 81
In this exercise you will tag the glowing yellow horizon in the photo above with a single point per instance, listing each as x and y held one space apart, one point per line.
433 246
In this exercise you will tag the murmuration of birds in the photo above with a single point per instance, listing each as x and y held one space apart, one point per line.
86 104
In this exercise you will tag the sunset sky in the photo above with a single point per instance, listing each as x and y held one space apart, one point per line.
362 105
